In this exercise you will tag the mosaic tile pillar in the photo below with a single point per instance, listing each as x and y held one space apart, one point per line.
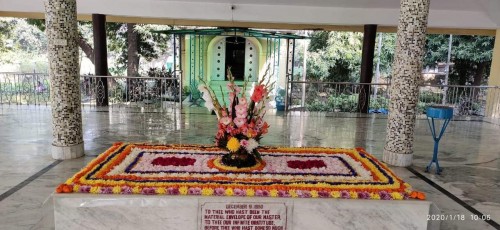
62 32
407 71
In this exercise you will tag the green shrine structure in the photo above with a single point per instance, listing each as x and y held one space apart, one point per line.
209 53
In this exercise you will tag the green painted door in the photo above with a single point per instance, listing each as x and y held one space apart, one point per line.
251 59
219 61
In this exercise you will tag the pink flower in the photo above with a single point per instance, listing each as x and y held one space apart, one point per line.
194 191
240 121
303 193
345 194
220 192
84 189
239 192
220 134
126 190
230 128
244 143
230 85
241 110
384 195
323 194
148 191
225 120
282 193
244 129
241 115
259 192
258 93
173 191
237 89
259 123
242 101
106 190
363 195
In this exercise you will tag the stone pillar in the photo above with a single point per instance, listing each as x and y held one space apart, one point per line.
407 71
366 74
61 29
100 58
493 99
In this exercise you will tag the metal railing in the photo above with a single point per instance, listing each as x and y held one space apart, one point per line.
151 92
343 97
166 93
24 88
155 92
333 96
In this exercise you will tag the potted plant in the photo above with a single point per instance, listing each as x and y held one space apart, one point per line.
280 99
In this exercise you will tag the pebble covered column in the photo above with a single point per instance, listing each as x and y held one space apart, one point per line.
407 71
62 32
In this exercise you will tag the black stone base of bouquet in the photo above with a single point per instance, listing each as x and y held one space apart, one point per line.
239 160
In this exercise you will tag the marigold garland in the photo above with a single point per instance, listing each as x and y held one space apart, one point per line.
113 173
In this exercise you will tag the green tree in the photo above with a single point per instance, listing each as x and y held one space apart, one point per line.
471 55
335 56
6 28
319 41
149 45
23 45
386 53
145 45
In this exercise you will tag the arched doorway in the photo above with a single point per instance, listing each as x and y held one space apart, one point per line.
235 57
240 53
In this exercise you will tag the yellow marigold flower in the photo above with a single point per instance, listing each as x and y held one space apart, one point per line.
117 190
274 192
293 193
397 196
76 188
183 190
375 196
335 194
314 194
229 192
136 190
207 191
233 144
161 191
94 190
354 195
250 192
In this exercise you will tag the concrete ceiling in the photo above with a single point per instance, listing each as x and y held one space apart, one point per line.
464 5
458 14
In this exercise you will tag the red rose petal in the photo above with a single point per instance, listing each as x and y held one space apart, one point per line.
309 164
173 161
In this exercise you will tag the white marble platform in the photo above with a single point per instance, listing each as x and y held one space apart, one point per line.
87 211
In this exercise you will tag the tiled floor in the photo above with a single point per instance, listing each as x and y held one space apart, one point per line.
469 153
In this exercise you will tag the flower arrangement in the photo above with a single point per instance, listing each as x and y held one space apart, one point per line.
315 172
241 122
